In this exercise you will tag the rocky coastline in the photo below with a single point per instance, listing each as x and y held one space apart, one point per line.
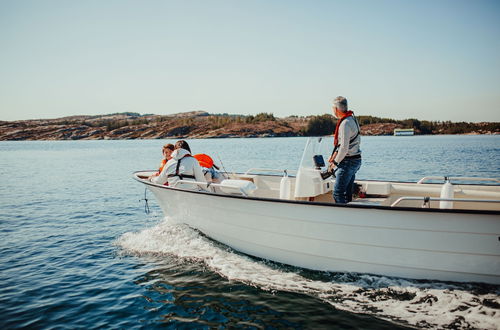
196 124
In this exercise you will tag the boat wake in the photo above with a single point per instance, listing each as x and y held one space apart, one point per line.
417 303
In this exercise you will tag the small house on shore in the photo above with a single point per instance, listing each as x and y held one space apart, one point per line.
404 131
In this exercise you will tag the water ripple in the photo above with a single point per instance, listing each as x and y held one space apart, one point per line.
417 303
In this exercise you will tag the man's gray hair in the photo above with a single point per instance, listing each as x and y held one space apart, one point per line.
340 103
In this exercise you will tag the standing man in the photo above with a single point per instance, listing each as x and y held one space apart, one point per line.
346 154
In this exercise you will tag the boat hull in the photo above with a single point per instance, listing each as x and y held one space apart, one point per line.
409 243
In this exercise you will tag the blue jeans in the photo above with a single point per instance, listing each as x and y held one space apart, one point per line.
344 183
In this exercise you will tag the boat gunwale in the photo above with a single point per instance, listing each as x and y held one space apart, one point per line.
313 203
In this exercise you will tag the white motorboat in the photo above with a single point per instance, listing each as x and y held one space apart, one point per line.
419 230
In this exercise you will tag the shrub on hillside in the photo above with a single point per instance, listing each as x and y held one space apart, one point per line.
320 125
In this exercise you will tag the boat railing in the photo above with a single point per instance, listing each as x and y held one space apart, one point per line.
272 170
206 185
457 178
426 200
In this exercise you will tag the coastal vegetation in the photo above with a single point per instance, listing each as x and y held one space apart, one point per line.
322 125
200 124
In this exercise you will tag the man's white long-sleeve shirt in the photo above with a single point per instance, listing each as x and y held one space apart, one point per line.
347 130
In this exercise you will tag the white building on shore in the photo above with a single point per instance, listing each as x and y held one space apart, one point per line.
404 131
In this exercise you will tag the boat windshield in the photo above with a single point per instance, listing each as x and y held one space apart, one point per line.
316 146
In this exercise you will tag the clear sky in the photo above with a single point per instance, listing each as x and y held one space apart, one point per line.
424 59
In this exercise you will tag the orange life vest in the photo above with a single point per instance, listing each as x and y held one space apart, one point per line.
339 121
204 160
163 162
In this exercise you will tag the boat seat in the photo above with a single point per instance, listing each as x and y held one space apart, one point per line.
239 187
377 188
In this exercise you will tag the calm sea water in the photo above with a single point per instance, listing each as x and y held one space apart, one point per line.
78 251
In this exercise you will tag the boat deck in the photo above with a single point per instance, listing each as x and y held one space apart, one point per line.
391 194
374 193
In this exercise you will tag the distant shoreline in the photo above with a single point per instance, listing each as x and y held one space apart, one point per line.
202 125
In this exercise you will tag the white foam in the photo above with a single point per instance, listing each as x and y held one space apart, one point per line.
420 304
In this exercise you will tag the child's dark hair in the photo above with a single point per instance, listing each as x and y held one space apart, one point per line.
181 144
